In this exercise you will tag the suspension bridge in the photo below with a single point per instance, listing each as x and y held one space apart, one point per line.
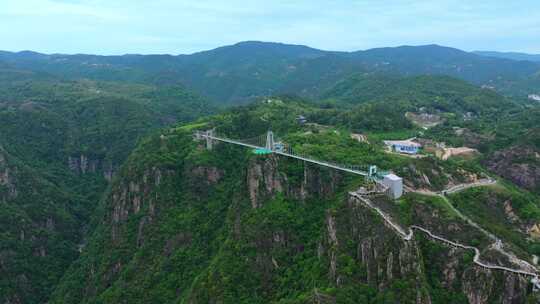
267 144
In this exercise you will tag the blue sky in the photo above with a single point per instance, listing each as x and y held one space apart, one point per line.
179 27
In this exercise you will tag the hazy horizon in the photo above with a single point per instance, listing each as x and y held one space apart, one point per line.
183 27
276 42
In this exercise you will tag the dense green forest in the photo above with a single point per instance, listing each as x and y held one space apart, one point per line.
237 73
106 197
188 225
60 141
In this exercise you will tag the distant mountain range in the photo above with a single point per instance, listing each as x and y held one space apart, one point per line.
510 55
236 73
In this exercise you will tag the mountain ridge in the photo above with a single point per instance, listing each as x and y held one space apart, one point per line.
262 43
510 55
246 70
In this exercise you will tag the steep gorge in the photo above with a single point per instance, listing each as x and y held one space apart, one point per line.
61 142
182 224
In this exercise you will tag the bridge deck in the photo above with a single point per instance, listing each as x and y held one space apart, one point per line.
314 161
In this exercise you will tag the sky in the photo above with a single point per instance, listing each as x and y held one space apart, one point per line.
111 27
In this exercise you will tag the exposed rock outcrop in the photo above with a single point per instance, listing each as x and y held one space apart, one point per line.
7 183
383 254
519 164
82 164
265 179
128 198
210 175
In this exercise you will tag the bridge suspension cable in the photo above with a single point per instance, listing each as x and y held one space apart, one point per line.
273 146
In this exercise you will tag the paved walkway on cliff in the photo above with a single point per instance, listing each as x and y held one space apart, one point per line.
457 188
498 244
530 271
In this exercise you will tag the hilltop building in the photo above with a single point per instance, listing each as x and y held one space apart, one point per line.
394 184
403 146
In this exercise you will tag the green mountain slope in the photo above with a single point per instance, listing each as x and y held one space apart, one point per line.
182 224
440 60
504 130
234 74
60 142
41 222
440 93
510 55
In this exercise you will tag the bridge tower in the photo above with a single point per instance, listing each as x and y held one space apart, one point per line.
270 141
209 141
372 171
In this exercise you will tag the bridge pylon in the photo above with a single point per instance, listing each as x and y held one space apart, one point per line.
270 140
209 141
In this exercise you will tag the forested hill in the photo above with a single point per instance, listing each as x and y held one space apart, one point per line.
61 141
441 92
510 55
183 224
245 70
99 173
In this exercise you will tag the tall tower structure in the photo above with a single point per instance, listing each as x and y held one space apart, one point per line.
209 142
270 140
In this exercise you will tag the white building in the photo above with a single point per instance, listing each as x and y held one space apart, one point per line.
394 184
403 146
534 97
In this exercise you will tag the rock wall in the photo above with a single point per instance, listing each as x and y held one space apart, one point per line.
82 164
7 183
265 179
521 165
128 198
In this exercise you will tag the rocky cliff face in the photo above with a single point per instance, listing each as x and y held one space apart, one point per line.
204 231
82 164
265 180
383 256
386 257
129 197
7 184
422 265
519 164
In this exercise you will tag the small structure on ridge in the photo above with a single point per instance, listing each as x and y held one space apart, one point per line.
394 184
408 146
